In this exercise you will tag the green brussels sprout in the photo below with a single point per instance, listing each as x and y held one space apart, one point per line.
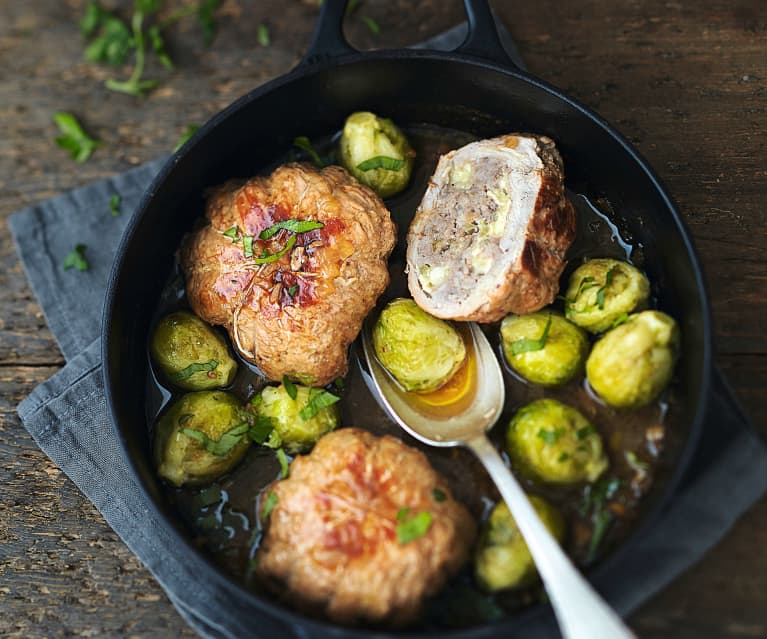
420 351
376 152
554 443
602 291
503 559
633 362
544 347
191 354
299 414
201 437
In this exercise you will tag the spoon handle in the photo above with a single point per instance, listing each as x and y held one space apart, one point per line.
580 611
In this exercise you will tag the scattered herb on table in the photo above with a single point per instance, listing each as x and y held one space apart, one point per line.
76 259
262 35
527 345
73 138
114 204
190 130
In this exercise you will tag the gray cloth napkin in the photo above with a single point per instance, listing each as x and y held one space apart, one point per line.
68 418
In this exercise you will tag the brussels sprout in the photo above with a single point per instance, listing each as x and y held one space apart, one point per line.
552 442
603 291
299 414
503 559
202 436
377 153
420 351
544 347
633 362
191 354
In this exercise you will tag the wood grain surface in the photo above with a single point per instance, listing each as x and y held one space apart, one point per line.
685 81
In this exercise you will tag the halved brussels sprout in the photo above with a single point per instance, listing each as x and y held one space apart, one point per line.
299 414
503 559
201 437
602 291
633 362
554 443
544 347
191 354
420 351
377 153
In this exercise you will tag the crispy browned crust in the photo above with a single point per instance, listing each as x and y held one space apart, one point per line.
295 316
331 544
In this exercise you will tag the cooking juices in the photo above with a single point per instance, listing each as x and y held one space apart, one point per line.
222 517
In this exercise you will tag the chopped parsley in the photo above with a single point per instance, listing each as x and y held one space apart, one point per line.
585 431
595 503
527 345
76 259
284 464
293 290
438 495
269 503
621 319
411 529
290 387
262 35
318 399
247 245
232 233
73 138
114 205
302 142
381 162
292 225
190 130
266 258
550 436
601 291
224 444
197 367
261 430
339 383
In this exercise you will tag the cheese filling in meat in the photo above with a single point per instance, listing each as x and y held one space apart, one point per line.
494 211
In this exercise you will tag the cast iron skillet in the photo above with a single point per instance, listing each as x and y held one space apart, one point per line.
475 88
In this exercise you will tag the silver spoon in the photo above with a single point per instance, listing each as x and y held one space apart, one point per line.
580 611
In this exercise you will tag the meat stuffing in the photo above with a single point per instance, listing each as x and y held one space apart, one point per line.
290 264
492 229
334 539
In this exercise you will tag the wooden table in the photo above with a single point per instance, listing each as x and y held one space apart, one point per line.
685 81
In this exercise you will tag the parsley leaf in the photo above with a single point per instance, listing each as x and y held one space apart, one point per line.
91 19
76 259
585 431
158 46
79 144
232 233
205 12
190 130
601 291
197 367
293 290
284 467
550 436
114 204
302 142
621 319
292 225
113 42
262 35
319 400
411 529
224 444
269 504
527 345
261 430
247 245
381 162
638 466
290 387
267 258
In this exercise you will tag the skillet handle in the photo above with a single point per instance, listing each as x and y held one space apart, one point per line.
482 40
328 41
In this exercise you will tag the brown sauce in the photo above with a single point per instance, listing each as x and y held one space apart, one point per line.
222 517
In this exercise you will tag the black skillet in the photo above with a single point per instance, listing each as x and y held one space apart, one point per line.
475 88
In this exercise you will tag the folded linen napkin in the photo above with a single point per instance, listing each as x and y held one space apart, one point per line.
68 418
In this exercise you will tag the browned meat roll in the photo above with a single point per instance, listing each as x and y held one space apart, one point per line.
363 530
290 264
491 232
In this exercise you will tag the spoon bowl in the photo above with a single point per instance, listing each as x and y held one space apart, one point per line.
580 611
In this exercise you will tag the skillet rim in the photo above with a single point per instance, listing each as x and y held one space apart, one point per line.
276 610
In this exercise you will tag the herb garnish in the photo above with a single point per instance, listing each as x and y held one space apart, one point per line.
292 225
637 465
302 142
266 258
527 345
293 290
190 130
79 144
262 35
411 529
76 259
290 387
595 501
601 291
318 399
438 495
225 443
371 24
269 504
184 418
621 319
381 162
261 430
283 459
550 436
563 457
583 433
114 205
232 233
197 367
339 383
247 245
